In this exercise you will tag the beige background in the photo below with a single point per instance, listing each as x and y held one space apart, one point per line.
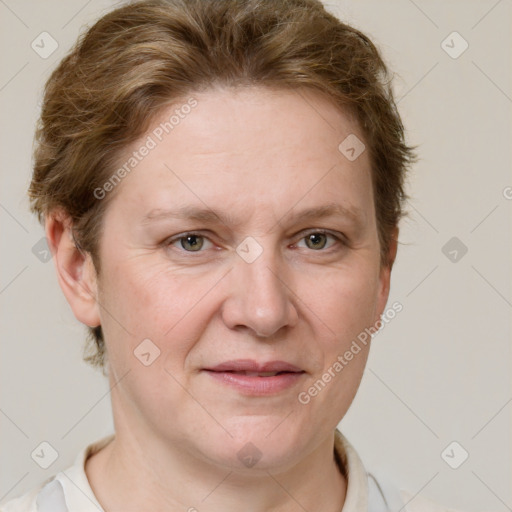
440 372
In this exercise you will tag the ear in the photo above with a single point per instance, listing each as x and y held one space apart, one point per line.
385 274
75 270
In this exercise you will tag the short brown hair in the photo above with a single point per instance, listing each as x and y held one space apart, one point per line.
140 57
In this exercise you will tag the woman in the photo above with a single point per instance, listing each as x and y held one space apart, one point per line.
221 184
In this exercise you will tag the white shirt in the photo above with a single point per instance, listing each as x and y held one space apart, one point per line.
70 491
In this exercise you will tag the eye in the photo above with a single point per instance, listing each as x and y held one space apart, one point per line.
190 242
318 240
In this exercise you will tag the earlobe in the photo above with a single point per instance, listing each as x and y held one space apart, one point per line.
393 247
385 273
75 270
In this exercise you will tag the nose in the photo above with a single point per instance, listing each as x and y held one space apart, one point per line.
259 298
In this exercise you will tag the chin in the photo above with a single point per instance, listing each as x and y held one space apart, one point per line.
257 445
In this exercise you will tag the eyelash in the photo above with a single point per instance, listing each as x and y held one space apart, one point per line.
339 239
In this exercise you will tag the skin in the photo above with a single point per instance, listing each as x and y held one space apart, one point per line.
260 158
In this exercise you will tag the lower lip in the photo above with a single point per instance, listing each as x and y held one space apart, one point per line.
257 385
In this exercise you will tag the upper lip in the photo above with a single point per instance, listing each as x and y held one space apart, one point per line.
248 365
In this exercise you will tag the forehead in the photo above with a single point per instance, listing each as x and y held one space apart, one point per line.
248 146
254 118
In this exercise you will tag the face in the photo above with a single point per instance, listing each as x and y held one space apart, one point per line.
243 242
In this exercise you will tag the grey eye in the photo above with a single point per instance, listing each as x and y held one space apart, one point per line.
316 240
192 242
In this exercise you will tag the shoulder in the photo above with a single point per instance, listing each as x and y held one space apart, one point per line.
46 497
418 503
386 496
68 488
372 490
25 503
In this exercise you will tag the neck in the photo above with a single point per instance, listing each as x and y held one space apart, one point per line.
133 474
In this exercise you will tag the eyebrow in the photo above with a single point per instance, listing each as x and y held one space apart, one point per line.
207 215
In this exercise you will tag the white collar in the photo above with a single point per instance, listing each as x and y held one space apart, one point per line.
77 490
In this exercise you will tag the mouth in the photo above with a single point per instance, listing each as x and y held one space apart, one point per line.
251 366
251 378
258 374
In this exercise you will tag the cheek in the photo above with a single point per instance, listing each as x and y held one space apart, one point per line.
342 308
343 305
155 303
